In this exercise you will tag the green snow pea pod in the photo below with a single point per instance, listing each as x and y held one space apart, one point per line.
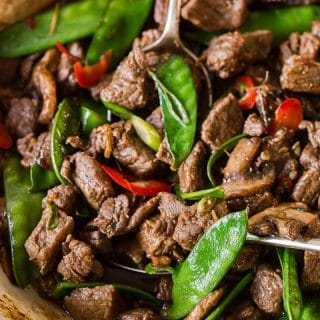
145 131
216 192
121 24
178 101
24 212
207 263
76 20
284 317
42 179
92 115
311 308
65 123
64 288
230 297
292 298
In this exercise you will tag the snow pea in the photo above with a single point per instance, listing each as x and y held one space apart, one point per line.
311 308
151 269
64 288
292 298
216 192
92 115
178 101
121 24
230 297
217 154
42 179
207 263
76 20
145 131
65 123
281 21
24 212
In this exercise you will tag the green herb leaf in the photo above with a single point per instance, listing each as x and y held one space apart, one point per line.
216 192
207 263
178 101
151 269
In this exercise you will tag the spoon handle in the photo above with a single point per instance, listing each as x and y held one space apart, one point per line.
301 244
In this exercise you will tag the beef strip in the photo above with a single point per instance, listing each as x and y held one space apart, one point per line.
163 153
98 303
129 87
241 157
160 12
131 152
247 258
245 310
155 118
64 197
78 262
224 121
101 141
139 314
310 157
311 270
313 128
44 244
164 288
301 75
266 289
206 304
27 64
95 91
221 15
22 116
254 126
91 179
192 171
230 53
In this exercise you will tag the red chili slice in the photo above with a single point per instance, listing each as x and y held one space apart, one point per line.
245 86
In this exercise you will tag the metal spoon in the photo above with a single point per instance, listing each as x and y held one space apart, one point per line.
170 41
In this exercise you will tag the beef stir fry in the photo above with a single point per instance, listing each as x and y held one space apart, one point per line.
111 155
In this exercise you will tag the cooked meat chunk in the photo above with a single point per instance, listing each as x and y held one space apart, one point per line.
224 121
155 118
192 171
307 188
160 12
245 310
131 152
315 26
206 304
301 75
64 197
22 116
76 142
129 87
254 126
310 157
211 15
247 258
241 157
139 314
104 82
311 270
91 179
101 141
78 261
44 243
163 153
266 289
230 53
313 128
98 303
27 64
164 288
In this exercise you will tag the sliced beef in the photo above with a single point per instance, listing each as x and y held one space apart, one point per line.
139 314
313 128
98 303
247 258
164 288
129 87
310 157
155 118
95 91
211 15
160 12
163 153
27 64
245 310
311 271
254 126
241 157
64 197
266 289
91 179
22 116
192 171
44 243
101 141
131 152
78 262
206 304
301 75
230 53
76 142
224 121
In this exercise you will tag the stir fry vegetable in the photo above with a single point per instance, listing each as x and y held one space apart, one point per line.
216 192
42 179
245 86
209 261
24 212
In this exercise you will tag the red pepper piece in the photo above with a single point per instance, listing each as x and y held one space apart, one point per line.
245 86
289 114
6 141
89 76
64 50
148 188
